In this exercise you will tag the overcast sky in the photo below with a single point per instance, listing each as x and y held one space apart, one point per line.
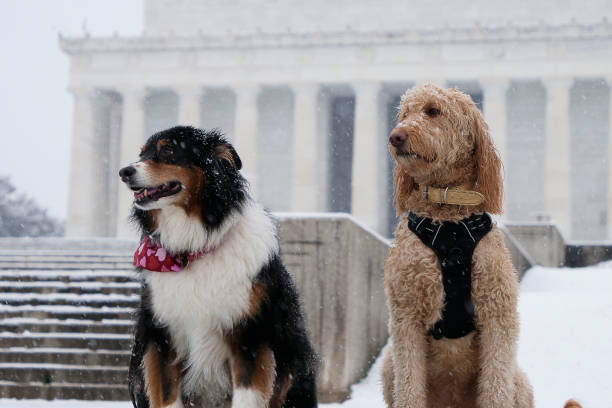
36 109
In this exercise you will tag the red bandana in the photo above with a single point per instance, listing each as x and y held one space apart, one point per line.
152 257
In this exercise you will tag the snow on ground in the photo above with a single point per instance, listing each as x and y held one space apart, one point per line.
366 394
566 334
565 345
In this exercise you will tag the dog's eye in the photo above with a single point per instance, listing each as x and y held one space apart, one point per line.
432 112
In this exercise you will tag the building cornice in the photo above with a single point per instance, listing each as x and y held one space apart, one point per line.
447 35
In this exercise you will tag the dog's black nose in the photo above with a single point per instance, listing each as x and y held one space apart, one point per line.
398 137
126 172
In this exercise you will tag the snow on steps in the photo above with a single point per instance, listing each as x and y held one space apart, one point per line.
48 372
71 261
63 391
65 355
66 312
24 325
66 319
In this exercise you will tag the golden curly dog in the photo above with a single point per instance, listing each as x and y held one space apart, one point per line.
443 153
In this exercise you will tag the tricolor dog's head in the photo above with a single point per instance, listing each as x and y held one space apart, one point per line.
188 169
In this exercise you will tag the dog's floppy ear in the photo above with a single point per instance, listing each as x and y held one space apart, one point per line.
226 152
403 185
489 180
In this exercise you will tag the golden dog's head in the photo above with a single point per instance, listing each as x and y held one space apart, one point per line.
442 140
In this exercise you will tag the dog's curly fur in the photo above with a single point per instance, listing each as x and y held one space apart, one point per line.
448 145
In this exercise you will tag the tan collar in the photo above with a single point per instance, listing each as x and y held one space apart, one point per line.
459 195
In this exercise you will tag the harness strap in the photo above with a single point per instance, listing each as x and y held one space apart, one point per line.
454 244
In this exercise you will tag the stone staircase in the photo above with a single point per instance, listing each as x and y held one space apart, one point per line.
66 319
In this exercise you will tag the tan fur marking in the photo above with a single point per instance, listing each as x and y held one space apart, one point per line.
280 392
152 374
223 152
175 377
154 220
161 143
191 178
153 378
265 372
194 182
258 294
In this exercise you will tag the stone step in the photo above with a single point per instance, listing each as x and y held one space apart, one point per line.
77 245
66 312
62 257
90 287
100 276
65 265
63 248
62 373
69 299
20 325
117 358
93 341
55 256
64 391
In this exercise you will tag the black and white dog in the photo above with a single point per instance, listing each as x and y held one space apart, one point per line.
220 322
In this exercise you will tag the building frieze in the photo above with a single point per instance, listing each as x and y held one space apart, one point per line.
570 32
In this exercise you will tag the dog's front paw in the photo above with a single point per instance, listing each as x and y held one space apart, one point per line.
248 398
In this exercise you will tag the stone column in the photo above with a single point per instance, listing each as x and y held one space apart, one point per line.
558 144
81 220
132 139
495 113
304 185
245 131
609 206
189 105
365 197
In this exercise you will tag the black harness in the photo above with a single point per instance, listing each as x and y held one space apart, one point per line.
454 244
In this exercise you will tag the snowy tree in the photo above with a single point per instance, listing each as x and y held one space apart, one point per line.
21 216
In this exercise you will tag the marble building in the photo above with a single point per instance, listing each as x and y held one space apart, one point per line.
308 92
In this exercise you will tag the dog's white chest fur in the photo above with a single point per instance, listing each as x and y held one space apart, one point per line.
205 300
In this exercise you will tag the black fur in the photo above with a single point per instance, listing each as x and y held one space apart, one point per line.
279 325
